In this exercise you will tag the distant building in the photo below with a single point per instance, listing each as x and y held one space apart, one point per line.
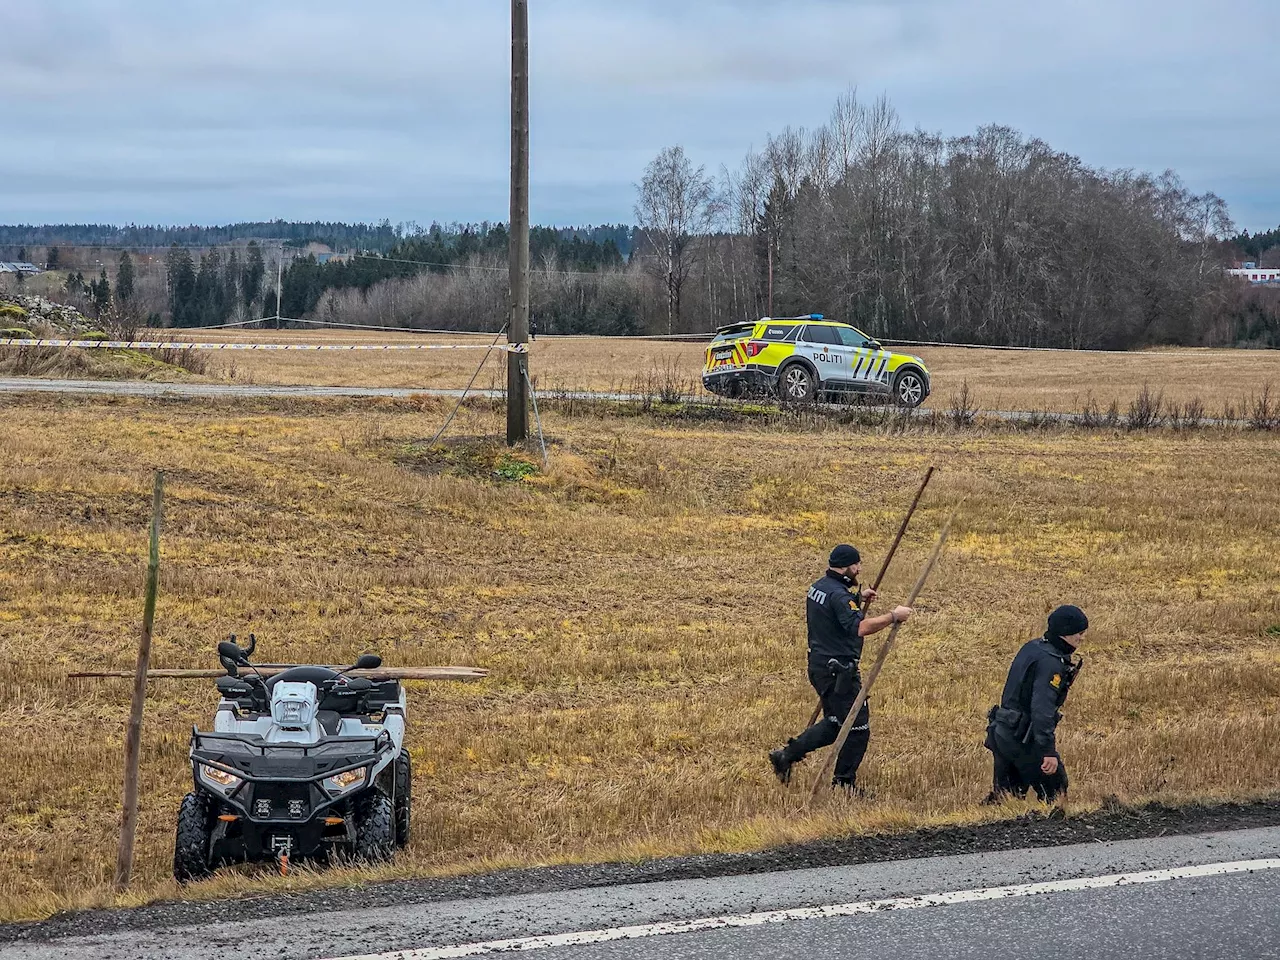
1252 273
17 266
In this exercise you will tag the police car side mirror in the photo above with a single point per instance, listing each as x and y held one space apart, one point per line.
874 345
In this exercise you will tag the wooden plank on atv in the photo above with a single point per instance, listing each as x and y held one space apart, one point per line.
267 670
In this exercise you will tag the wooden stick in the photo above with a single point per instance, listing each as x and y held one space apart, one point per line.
133 734
881 656
382 673
888 558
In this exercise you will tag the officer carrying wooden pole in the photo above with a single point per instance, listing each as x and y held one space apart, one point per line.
884 567
859 703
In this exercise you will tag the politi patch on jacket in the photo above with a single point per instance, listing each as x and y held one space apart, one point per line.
1056 682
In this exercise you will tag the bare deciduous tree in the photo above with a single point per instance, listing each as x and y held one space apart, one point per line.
673 209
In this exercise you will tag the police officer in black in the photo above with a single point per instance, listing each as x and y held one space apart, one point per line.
836 628
1021 730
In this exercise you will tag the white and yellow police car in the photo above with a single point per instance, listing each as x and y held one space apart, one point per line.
799 359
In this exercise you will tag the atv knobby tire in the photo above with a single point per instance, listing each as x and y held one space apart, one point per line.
375 827
404 797
191 846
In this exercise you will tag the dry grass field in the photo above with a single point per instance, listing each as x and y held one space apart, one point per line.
1000 379
640 605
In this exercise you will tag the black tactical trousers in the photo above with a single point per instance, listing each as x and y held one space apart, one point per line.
838 688
1017 768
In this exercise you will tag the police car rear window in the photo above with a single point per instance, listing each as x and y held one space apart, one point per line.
818 334
733 333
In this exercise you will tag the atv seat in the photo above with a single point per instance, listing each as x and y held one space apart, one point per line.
330 721
314 675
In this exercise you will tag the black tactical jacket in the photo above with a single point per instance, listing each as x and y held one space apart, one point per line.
832 613
1039 679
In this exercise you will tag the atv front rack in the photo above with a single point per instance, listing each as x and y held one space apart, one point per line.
286 762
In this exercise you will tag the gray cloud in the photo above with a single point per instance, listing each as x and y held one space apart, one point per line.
180 111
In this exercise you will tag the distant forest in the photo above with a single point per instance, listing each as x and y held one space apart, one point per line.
1262 248
341 237
989 238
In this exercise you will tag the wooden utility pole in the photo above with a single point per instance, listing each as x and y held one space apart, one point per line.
518 254
133 734
279 283
771 276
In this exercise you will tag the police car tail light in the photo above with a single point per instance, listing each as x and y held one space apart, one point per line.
755 346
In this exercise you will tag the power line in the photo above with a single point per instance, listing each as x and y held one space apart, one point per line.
473 266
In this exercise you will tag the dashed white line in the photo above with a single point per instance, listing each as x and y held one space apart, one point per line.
518 944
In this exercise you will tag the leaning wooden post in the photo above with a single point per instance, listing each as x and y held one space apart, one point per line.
133 735
881 656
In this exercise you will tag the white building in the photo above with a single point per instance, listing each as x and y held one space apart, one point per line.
13 266
1254 274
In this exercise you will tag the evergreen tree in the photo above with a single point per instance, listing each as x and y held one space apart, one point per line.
124 278
182 286
51 259
208 290
100 292
251 281
231 283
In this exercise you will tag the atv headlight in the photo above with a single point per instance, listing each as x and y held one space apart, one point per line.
293 705
346 780
223 781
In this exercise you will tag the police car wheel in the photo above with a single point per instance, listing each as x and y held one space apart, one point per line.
795 385
908 389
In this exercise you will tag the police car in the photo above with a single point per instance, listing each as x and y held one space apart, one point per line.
800 358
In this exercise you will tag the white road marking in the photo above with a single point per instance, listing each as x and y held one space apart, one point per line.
518 944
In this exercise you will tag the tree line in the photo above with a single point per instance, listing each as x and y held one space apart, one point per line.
992 237
340 236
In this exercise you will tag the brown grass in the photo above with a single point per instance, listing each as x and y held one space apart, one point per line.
998 379
640 606
102 364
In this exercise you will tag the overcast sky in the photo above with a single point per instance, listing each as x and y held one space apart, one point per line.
176 111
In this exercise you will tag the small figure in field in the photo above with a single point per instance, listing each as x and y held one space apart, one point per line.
1021 731
837 627
533 328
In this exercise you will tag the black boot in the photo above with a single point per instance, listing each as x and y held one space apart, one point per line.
782 763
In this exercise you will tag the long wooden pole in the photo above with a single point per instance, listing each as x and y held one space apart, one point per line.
888 558
881 656
268 670
133 735
518 251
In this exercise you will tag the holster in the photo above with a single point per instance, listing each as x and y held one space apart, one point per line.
847 677
1015 721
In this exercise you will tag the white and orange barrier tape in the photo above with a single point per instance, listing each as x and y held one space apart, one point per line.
176 345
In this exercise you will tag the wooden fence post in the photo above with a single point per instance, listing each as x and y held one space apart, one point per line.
133 734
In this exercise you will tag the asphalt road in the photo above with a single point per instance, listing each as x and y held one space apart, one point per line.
147 388
974 905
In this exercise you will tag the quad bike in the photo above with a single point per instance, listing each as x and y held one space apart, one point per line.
302 762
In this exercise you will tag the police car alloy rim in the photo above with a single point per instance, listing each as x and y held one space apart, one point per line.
910 390
797 382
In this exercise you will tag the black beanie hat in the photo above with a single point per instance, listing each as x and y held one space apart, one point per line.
1067 621
844 556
